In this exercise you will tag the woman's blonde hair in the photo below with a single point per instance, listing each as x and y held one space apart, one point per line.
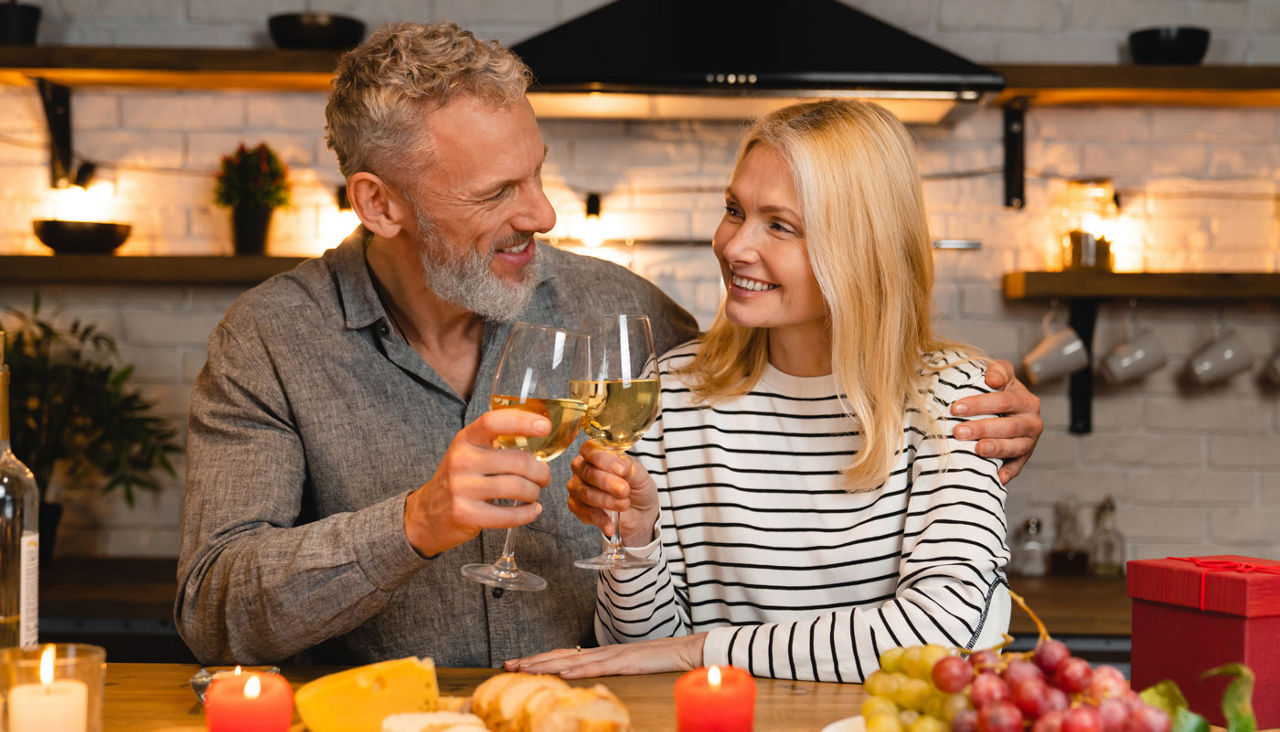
854 168
384 90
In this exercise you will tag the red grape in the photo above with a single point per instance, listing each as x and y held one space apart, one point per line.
984 660
1000 716
1083 718
1030 696
1049 654
1149 719
1051 722
952 674
1114 714
1108 682
1019 671
966 721
1056 698
1073 675
988 688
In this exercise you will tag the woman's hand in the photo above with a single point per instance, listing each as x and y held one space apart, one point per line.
642 657
1011 436
603 482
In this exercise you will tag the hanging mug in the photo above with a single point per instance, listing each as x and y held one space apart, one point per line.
1218 361
1134 359
1061 352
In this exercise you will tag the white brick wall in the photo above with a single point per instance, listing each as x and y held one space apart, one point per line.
1193 470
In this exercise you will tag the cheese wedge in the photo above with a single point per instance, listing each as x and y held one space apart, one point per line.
357 700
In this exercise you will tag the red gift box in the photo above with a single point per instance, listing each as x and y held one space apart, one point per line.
1196 613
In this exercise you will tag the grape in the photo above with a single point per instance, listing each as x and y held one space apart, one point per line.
983 660
931 655
955 705
1149 719
988 688
952 674
878 705
1049 654
907 717
891 659
1114 714
1051 722
927 724
1107 682
999 716
1056 699
1083 718
965 721
1073 675
913 694
1019 670
1030 696
912 663
884 723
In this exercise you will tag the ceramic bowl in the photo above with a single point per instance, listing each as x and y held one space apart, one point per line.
1171 45
316 31
81 237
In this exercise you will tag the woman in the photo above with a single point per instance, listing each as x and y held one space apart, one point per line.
799 533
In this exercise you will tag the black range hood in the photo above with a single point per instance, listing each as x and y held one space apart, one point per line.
734 59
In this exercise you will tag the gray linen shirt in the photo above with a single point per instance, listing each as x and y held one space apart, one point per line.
310 423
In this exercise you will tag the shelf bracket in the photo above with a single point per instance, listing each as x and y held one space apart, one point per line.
1015 153
57 115
1082 316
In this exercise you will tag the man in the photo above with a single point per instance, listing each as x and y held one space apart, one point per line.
331 392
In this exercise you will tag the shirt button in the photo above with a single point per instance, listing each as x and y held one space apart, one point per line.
384 330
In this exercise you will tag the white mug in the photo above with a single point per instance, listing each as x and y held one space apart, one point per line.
1133 360
1220 360
1060 353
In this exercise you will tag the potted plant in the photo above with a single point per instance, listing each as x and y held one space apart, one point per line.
71 407
253 183
18 23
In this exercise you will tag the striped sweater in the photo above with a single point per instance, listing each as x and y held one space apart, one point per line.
794 577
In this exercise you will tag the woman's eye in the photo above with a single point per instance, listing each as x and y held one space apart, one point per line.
732 211
781 227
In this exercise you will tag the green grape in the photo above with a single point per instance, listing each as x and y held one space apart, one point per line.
891 659
955 704
875 705
884 723
931 654
913 662
927 724
884 684
908 717
913 694
933 706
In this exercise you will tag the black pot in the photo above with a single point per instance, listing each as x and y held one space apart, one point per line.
249 228
18 24
50 517
1170 45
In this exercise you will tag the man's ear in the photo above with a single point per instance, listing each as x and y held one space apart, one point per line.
381 209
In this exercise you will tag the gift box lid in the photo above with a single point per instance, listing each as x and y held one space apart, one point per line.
1227 583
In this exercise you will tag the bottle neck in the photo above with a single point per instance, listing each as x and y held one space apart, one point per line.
4 408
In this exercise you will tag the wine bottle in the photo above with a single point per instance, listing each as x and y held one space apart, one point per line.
19 535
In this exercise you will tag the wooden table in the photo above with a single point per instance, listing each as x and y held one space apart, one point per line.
157 697
1090 606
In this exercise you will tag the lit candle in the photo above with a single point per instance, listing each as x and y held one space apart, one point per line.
715 699
61 705
249 703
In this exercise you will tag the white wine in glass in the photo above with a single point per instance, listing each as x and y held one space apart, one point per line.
623 405
545 370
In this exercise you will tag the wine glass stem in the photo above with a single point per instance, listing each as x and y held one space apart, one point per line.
614 546
505 565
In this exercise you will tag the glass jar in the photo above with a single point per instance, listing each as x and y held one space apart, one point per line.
1069 554
1086 212
1106 550
1030 553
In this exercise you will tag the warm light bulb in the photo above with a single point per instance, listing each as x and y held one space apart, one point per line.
592 236
713 676
236 672
95 203
46 665
252 687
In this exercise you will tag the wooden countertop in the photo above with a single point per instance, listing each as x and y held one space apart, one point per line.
157 696
145 588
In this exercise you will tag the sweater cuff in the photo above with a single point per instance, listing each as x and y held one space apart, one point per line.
652 550
382 550
715 649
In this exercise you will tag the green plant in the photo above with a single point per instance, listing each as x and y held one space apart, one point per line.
69 401
252 177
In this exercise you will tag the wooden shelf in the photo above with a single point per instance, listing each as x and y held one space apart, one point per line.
1194 86
265 69
1147 285
105 269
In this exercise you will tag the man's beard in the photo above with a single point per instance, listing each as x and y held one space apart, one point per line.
467 280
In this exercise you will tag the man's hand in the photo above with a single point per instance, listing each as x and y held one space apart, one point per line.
603 482
455 504
1014 434
652 656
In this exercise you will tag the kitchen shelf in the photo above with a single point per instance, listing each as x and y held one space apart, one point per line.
107 270
1194 86
1085 289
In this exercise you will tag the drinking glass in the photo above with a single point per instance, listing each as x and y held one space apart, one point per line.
545 370
624 404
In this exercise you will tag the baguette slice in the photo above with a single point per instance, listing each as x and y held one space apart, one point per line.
577 710
433 722
517 694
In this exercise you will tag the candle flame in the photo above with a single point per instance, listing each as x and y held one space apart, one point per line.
252 687
237 671
713 676
46 665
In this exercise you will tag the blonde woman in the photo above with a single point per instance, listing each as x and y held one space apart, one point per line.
804 490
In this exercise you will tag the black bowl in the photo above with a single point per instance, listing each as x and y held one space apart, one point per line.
1172 45
18 24
81 237
324 31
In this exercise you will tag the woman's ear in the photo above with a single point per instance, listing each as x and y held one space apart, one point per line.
381 210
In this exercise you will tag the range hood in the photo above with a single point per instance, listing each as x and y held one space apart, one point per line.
737 59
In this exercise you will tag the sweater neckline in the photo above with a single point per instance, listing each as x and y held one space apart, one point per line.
801 386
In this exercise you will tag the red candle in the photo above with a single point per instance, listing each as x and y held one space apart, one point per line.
715 699
249 703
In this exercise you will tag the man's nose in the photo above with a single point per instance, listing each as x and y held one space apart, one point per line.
536 213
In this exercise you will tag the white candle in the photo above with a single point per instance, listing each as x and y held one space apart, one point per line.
50 706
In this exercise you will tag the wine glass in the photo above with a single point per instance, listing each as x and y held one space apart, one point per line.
545 370
624 404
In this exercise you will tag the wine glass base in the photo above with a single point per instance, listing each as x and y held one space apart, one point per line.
610 560
515 579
